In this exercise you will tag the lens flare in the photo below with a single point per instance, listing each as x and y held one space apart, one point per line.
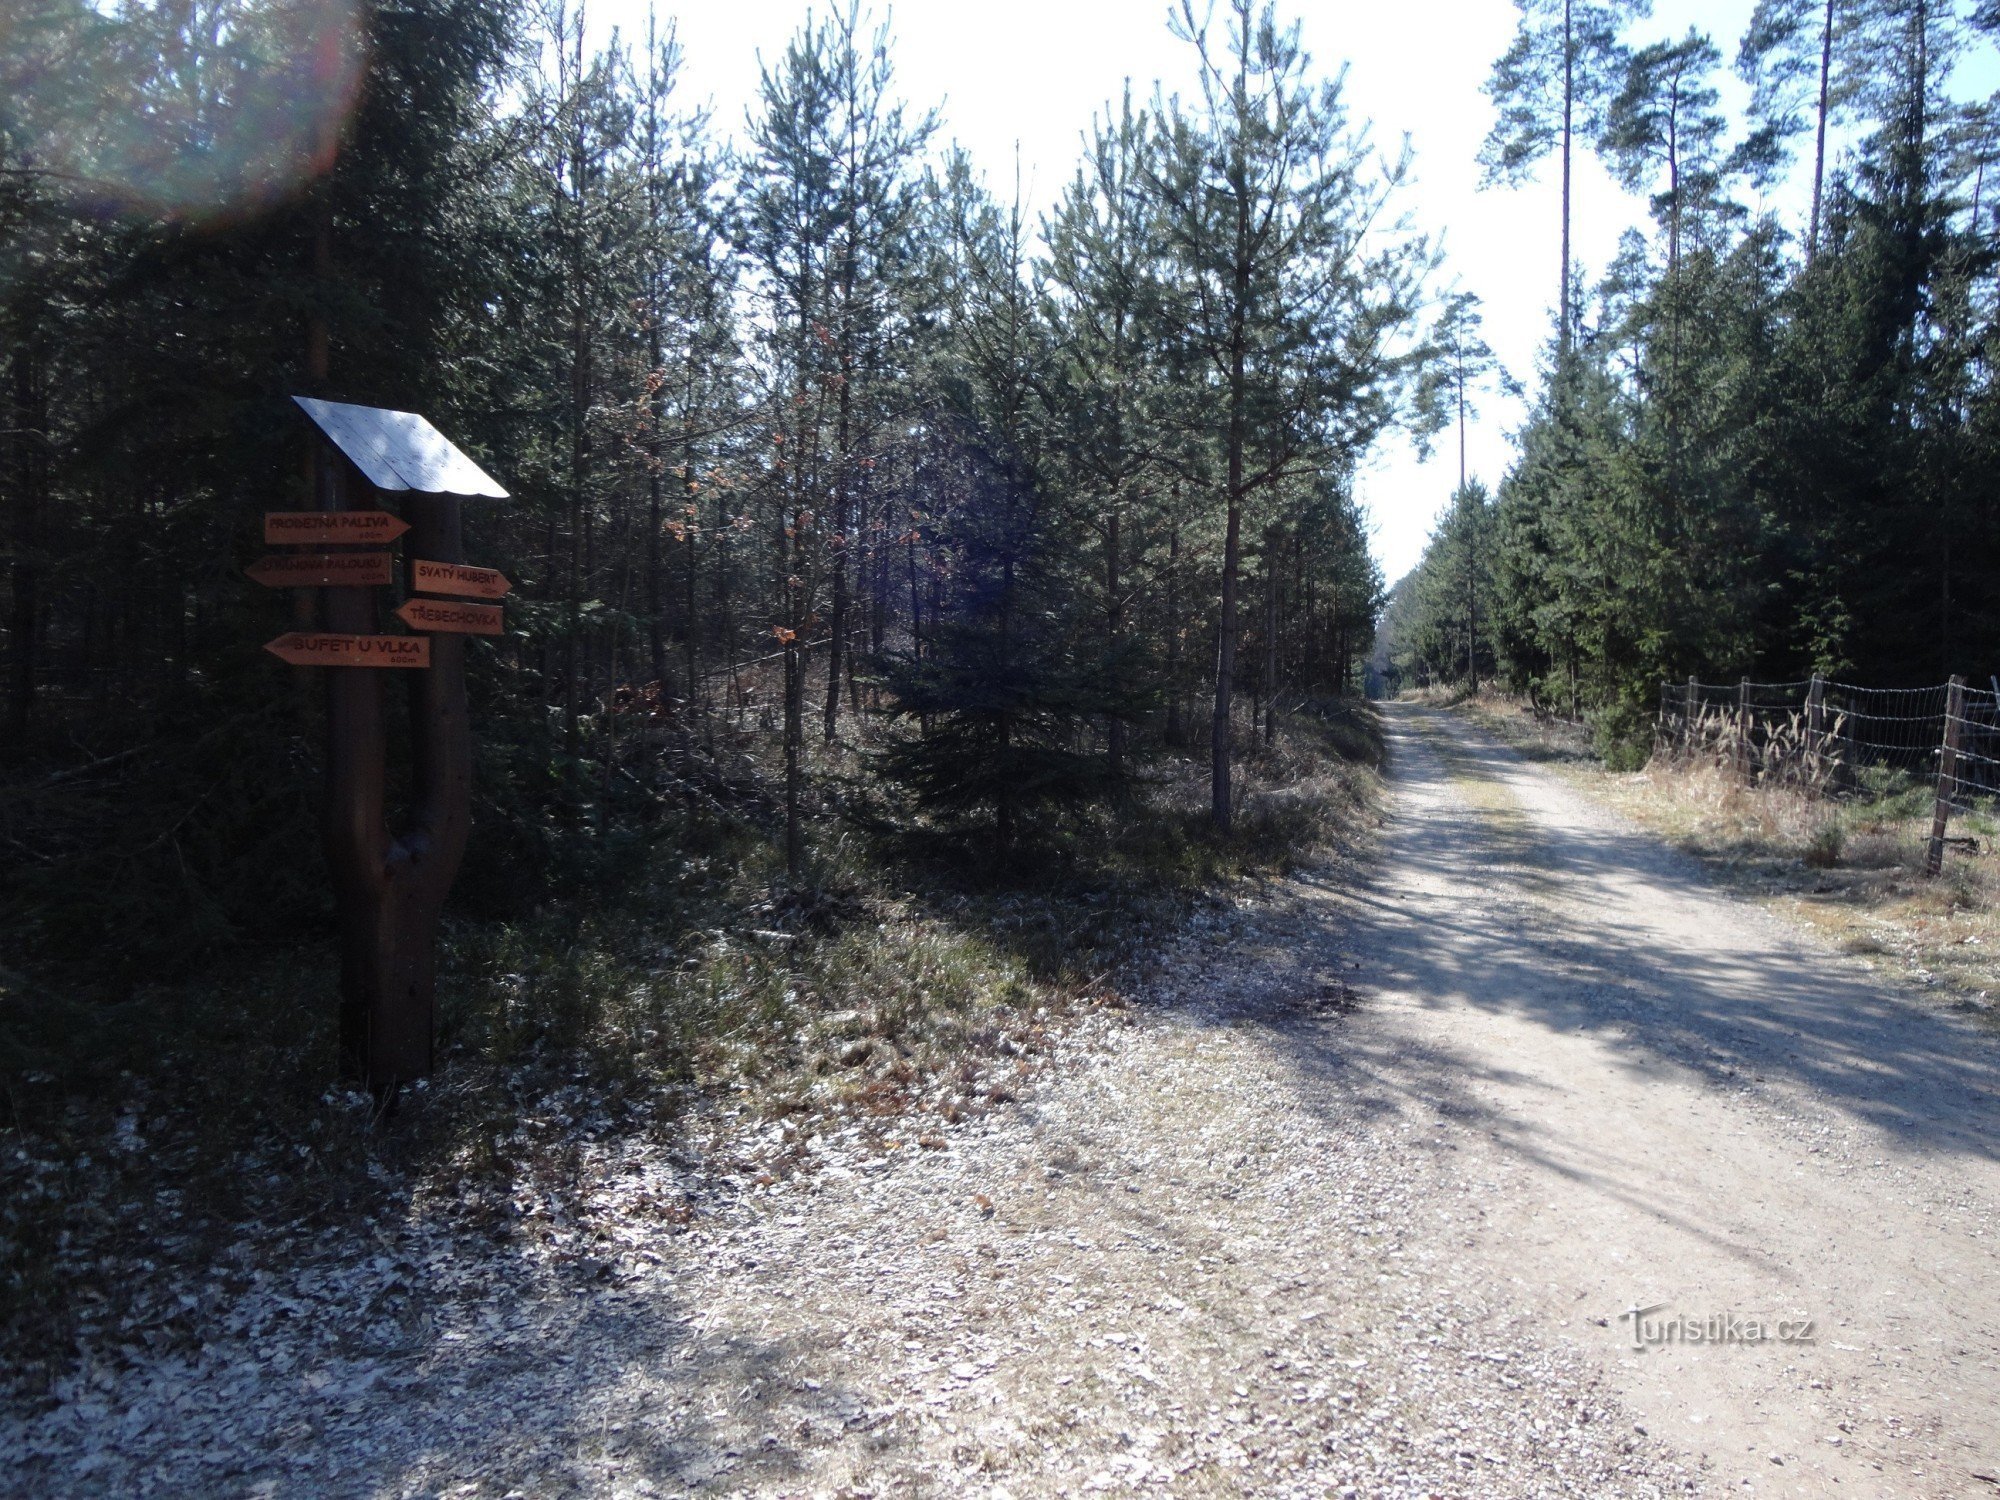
191 110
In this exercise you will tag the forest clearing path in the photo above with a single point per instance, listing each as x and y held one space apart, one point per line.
1672 1096
1349 1205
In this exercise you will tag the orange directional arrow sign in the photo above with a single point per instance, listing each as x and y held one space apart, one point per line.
458 619
321 569
305 526
326 649
456 578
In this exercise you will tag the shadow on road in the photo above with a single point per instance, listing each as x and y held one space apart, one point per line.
1527 905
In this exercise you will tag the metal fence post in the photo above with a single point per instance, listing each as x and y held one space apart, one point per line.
1687 716
1947 785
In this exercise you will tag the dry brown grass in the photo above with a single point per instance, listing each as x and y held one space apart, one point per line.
1852 868
1533 736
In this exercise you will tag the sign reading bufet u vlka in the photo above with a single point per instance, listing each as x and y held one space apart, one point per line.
332 649
307 527
457 578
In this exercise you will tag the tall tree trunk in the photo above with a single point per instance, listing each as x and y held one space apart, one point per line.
916 595
1114 624
1232 544
1271 635
656 374
1225 649
579 400
836 645
795 733
1569 112
1673 188
879 560
691 626
1471 598
573 573
1673 294
28 427
656 563
1337 635
1461 425
1819 133
1176 731
791 543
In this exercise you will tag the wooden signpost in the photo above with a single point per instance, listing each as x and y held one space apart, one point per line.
282 570
453 617
390 878
455 579
358 527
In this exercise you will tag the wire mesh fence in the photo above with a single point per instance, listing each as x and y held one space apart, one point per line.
1833 739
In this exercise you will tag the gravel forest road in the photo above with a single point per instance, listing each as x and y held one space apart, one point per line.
1350 1204
1678 1098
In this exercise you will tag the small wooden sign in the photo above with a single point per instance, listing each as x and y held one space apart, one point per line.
303 527
328 649
458 619
305 570
457 578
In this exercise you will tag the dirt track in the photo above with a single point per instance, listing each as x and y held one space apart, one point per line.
1682 1100
1351 1205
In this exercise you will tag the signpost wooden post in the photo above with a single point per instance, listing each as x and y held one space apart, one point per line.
390 881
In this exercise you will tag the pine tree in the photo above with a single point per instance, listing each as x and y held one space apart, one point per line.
1461 362
1267 199
1663 123
833 206
1552 86
1111 312
1799 58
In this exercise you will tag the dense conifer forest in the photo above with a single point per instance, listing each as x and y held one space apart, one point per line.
846 500
956 977
1760 445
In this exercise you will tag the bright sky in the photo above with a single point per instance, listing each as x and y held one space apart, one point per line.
1029 74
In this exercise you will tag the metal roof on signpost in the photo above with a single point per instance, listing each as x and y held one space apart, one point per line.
399 450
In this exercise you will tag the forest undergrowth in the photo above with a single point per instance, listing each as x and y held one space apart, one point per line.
688 999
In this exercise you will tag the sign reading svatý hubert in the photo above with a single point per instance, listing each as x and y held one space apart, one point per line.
332 649
307 527
457 578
